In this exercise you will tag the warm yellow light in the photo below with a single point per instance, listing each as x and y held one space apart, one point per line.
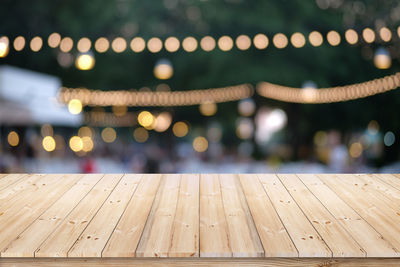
333 38
85 61
320 138
19 43
351 36
385 34
75 106
87 144
145 118
108 135
243 42
13 138
162 121
280 40
172 44
225 43
315 38
36 44
54 40
382 59
4 46
46 130
154 45
208 108
207 43
180 129
101 45
84 45
373 127
368 35
138 44
355 150
76 143
118 45
260 41
85 131
140 135
66 44
200 144
48 143
163 70
119 111
189 44
298 40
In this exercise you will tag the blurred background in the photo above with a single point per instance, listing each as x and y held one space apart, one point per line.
57 58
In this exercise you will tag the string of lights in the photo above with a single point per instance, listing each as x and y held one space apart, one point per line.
155 98
190 44
329 95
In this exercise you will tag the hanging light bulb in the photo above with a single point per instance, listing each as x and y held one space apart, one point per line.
382 58
163 69
85 61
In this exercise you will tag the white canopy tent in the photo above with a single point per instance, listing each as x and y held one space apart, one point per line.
30 98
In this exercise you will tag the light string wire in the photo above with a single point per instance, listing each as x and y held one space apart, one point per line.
158 98
329 95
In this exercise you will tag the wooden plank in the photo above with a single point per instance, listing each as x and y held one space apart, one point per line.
10 179
92 241
203 262
242 234
32 206
28 241
62 239
185 234
362 203
214 237
390 179
126 236
340 242
308 242
25 185
157 235
375 185
2 175
372 242
273 235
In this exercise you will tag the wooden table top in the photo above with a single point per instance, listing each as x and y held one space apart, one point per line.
207 215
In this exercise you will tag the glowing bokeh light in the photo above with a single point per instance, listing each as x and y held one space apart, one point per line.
84 45
66 44
163 69
246 107
368 35
243 42
225 43
108 135
260 41
138 44
85 61
48 143
87 144
101 45
351 36
140 135
200 144
75 106
207 43
4 46
355 150
382 59
298 40
36 44
189 44
208 108
333 38
154 45
315 38
19 43
13 138
280 40
162 121
180 129
75 143
54 40
145 118
172 44
385 34
118 45
389 138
